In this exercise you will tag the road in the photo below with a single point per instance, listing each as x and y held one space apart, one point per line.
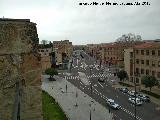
84 75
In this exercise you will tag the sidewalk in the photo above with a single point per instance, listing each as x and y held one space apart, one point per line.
76 104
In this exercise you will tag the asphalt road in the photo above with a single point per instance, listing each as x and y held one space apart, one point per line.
85 73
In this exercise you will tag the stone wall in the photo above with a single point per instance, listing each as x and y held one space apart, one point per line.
20 61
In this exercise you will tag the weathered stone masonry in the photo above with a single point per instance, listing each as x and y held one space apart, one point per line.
19 60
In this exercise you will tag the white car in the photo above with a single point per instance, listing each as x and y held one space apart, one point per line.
132 93
138 101
112 104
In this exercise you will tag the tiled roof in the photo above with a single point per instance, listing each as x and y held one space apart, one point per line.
110 46
148 45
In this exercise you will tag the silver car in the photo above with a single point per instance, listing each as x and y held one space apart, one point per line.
112 104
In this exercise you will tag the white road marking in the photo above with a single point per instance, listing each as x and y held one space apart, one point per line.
100 85
81 83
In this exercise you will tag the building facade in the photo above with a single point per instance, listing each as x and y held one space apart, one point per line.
112 54
63 50
143 59
45 58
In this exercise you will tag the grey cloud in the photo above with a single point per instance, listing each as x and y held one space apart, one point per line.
60 19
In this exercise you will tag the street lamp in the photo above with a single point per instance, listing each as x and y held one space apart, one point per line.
91 81
135 88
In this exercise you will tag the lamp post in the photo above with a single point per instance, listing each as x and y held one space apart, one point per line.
135 74
135 110
91 82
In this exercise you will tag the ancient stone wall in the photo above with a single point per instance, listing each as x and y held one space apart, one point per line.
20 61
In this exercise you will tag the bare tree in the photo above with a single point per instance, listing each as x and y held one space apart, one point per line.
44 42
129 39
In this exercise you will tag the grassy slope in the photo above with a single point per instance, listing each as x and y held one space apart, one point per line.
51 110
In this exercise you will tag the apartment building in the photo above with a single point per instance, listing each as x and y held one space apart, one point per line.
146 57
58 56
45 58
91 49
64 50
112 54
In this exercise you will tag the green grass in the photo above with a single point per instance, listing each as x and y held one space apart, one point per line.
151 94
125 84
51 109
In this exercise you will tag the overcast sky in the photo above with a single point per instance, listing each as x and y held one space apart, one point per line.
66 19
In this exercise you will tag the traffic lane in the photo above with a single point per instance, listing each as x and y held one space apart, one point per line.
98 97
108 91
123 100
125 111
148 108
101 99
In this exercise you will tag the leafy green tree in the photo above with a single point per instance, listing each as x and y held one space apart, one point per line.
149 81
51 72
122 75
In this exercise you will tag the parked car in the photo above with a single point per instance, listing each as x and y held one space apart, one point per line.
112 104
101 79
132 93
132 100
124 90
143 97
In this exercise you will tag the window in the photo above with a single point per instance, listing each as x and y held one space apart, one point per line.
131 55
158 52
137 80
153 73
137 70
142 71
142 52
147 62
153 63
142 61
158 74
131 79
147 52
137 51
153 52
137 61
158 63
147 72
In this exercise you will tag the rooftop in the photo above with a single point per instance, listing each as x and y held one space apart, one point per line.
110 46
148 45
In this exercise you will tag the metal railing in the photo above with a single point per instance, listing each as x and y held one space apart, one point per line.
16 105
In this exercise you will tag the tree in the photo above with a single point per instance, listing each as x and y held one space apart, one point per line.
44 42
149 81
51 72
122 75
129 40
